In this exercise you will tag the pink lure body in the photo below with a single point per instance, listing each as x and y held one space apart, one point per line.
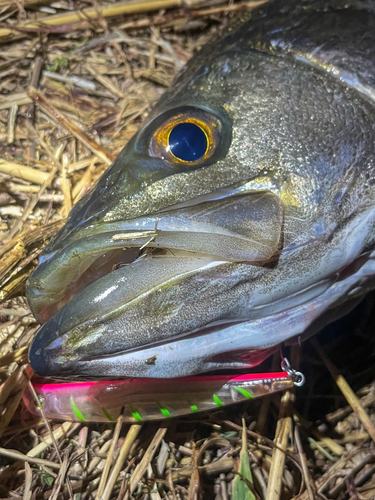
149 399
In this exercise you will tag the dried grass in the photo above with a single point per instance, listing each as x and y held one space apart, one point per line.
72 95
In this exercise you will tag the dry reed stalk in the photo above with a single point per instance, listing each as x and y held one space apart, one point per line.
101 11
14 380
32 203
37 137
20 99
144 463
194 484
282 436
66 191
211 470
33 175
367 460
13 356
326 441
106 82
62 461
12 122
108 463
354 437
25 3
73 167
12 405
14 250
95 462
323 482
59 118
28 480
173 18
16 455
15 285
258 438
58 433
305 470
124 450
61 477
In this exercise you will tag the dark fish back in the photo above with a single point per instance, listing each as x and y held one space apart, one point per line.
336 37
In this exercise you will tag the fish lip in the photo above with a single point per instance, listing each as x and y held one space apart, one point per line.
39 280
70 319
89 226
53 276
46 366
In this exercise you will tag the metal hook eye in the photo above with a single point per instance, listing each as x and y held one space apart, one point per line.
298 378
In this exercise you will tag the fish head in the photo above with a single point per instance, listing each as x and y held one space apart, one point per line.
203 246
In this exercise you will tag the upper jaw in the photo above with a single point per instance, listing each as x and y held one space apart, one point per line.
245 227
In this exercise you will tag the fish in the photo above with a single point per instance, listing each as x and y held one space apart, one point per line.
239 217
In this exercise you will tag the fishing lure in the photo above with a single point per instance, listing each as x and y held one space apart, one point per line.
150 399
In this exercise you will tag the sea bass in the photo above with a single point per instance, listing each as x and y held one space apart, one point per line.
239 217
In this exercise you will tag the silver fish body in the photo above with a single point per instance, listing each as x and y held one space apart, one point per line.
172 266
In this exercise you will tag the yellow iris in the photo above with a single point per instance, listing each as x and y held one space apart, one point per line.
208 124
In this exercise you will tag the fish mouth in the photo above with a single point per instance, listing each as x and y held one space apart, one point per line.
97 292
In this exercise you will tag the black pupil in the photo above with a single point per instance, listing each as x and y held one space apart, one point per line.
187 142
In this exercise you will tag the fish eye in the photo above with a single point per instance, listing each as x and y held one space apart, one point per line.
191 137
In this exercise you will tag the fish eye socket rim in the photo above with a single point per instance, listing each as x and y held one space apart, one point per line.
217 125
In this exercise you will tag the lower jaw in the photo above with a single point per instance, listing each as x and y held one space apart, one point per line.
213 351
137 366
237 346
